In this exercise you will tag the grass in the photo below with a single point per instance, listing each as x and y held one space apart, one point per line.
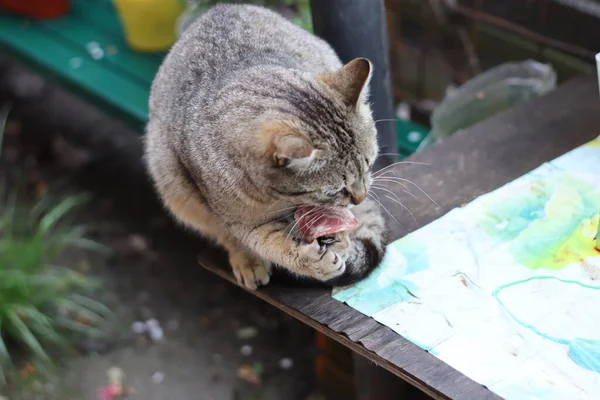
43 306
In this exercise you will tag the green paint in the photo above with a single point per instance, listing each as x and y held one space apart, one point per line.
512 214
550 225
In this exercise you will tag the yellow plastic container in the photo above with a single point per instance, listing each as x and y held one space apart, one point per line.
149 25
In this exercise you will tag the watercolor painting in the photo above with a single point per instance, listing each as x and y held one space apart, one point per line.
507 288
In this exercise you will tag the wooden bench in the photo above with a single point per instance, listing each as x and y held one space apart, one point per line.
86 51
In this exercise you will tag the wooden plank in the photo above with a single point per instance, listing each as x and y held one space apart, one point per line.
98 12
78 34
101 14
467 165
105 87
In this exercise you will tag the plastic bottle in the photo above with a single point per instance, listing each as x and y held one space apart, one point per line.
149 25
490 93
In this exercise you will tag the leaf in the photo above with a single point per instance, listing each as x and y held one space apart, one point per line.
40 324
95 318
91 304
22 333
87 244
49 220
5 359
80 328
4 111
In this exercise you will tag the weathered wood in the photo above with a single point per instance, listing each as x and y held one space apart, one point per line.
467 165
374 383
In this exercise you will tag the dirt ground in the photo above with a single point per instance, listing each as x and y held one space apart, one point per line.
211 328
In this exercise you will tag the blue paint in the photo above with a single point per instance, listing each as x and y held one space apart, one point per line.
532 213
370 302
415 253
387 285
585 353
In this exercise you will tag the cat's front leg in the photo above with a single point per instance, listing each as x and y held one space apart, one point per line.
249 270
272 242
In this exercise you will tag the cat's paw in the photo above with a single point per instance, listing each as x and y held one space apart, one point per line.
323 263
338 243
250 271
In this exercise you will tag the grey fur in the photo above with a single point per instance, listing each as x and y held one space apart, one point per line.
234 70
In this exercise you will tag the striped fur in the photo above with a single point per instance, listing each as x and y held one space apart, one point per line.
251 116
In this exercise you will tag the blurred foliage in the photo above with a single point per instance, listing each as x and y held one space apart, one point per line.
43 306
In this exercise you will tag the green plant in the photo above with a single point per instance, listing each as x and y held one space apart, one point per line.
41 303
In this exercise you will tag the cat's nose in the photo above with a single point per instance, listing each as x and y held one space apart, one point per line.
358 194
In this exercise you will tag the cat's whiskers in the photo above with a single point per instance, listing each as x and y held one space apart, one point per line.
401 161
387 211
388 120
404 207
283 218
376 187
295 222
278 211
377 173
391 180
373 193
417 186
386 190
273 205
314 221
395 200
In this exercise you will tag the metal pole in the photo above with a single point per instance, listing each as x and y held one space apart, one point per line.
357 28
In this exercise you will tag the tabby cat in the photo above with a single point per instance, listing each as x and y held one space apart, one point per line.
251 117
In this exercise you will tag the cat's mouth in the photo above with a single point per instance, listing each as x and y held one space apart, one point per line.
317 221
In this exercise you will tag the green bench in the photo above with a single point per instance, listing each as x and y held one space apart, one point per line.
86 51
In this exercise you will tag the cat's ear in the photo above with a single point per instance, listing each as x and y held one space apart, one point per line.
350 81
285 146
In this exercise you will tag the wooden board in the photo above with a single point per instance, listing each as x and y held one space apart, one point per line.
118 81
467 165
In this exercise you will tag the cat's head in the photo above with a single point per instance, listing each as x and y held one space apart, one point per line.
320 145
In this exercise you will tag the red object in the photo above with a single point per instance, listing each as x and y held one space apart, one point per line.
314 222
41 9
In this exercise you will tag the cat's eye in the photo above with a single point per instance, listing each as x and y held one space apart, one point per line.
342 191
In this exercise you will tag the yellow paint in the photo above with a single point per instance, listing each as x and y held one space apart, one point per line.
595 144
577 247
550 225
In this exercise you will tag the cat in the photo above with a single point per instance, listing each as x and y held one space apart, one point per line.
250 117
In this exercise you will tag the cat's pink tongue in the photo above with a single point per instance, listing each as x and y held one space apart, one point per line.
314 222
